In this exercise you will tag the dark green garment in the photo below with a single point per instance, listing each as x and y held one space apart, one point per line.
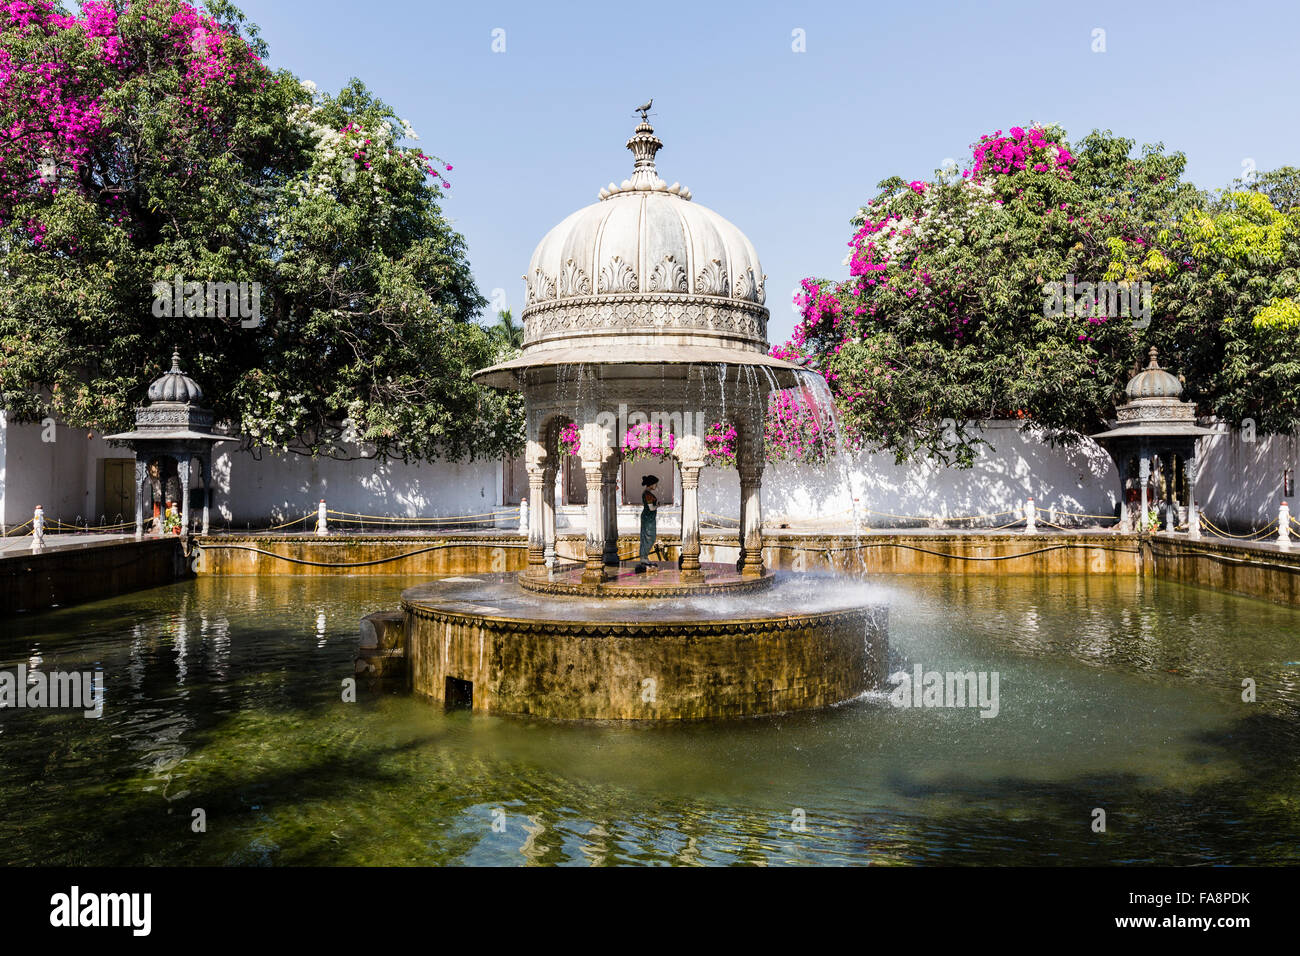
648 527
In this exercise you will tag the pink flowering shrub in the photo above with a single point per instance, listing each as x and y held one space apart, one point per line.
1020 149
570 439
797 430
648 440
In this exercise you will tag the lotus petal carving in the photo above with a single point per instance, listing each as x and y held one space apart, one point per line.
573 281
712 279
668 276
617 276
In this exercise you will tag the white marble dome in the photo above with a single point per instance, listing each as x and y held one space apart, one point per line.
646 285
645 239
647 250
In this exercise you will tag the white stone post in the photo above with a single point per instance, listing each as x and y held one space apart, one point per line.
1284 526
38 529
1031 515
523 516
322 522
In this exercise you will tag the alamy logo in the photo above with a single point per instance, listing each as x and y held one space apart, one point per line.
75 909
58 690
1098 300
209 300
924 688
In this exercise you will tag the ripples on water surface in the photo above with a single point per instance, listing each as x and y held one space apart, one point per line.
225 694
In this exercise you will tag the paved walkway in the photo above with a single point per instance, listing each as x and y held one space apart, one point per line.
59 542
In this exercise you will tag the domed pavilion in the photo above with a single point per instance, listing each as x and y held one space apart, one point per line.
643 306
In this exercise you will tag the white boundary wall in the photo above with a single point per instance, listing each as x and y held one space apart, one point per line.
1239 486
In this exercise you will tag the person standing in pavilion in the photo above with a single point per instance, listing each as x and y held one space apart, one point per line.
649 521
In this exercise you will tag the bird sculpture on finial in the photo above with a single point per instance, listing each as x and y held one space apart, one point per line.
644 109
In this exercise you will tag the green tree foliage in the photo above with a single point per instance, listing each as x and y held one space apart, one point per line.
508 333
1228 296
153 143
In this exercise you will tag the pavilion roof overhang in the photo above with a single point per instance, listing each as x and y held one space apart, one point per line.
169 435
1139 430
546 362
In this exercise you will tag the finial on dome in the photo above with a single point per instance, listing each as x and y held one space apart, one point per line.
645 178
1153 363
644 144
176 360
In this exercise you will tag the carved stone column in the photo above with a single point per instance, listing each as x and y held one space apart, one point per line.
1193 514
751 520
690 455
547 517
594 571
183 475
610 489
535 464
1144 476
141 477
595 468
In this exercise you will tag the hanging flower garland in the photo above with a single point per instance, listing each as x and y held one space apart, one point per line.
720 445
570 439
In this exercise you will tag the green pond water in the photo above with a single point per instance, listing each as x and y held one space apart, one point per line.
225 694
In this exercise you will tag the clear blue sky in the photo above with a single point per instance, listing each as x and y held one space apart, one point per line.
786 145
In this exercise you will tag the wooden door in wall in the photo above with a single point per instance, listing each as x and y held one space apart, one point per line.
117 500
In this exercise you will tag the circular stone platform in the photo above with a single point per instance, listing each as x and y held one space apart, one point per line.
485 642
662 579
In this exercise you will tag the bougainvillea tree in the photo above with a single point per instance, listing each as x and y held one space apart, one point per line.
946 318
147 144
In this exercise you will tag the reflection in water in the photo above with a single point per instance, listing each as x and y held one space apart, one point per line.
1113 694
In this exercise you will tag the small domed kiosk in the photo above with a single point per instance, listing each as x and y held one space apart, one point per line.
172 435
1155 423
